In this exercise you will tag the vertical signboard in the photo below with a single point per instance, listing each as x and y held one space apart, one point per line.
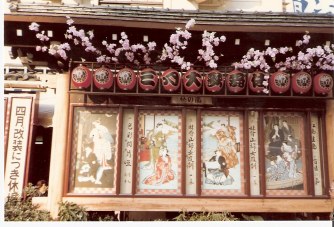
191 152
316 154
254 153
127 151
17 146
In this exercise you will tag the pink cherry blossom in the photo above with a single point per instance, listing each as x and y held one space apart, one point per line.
190 23
34 26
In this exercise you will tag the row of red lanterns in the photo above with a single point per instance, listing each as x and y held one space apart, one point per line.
192 80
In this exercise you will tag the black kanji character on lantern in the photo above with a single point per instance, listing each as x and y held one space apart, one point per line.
148 78
214 80
193 78
171 78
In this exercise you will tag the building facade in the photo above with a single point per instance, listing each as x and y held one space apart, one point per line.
115 124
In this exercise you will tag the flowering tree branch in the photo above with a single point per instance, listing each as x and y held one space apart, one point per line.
321 57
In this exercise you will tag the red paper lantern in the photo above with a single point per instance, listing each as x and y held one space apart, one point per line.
279 82
126 79
214 81
236 81
255 81
148 79
171 80
301 82
322 83
192 80
81 77
103 78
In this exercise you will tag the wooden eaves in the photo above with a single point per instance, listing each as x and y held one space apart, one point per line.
139 17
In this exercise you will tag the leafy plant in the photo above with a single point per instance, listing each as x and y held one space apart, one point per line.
102 216
22 209
69 211
205 216
252 217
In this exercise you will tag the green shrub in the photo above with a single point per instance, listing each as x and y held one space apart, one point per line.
69 211
205 216
22 209
102 216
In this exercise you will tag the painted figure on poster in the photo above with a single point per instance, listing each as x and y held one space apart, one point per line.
163 172
227 144
157 139
287 130
217 168
144 149
103 147
283 154
89 165
216 171
276 138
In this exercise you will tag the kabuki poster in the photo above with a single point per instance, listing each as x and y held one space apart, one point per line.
159 154
284 153
222 154
94 150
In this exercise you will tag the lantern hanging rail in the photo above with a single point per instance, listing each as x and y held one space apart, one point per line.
96 78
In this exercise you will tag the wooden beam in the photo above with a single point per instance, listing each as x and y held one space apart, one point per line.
281 205
171 25
330 143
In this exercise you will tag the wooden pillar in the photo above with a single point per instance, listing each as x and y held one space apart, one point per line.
330 143
58 148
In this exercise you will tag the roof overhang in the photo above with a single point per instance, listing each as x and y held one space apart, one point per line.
137 17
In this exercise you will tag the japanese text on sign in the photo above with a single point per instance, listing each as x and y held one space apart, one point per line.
17 145
191 100
316 155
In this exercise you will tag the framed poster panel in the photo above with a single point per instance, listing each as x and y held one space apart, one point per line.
159 154
93 151
285 167
222 153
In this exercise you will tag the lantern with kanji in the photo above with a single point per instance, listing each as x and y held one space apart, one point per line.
236 81
81 77
126 79
214 81
103 78
279 82
148 79
256 81
192 80
170 80
301 82
322 83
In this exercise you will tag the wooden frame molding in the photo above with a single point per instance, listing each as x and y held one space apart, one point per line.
198 204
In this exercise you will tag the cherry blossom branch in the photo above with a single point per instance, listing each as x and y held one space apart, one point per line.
207 53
